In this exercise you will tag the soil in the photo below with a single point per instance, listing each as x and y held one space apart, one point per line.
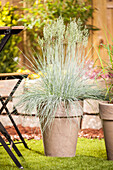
91 133
35 133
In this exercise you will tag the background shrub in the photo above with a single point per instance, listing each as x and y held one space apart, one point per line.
37 14
10 54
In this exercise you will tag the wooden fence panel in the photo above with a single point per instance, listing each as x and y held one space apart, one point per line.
110 20
99 21
103 19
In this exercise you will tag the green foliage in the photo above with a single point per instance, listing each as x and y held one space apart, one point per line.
107 67
90 155
63 68
70 9
10 54
37 15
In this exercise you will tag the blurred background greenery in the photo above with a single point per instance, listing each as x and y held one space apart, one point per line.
34 15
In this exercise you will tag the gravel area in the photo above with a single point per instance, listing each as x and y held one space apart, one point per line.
91 133
35 133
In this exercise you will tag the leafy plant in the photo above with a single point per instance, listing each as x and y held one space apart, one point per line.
63 70
36 15
106 68
9 55
109 65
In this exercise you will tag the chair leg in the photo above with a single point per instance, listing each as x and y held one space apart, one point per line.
14 124
16 128
10 153
5 133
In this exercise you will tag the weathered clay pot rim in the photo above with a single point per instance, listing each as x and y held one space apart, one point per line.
61 113
79 115
106 103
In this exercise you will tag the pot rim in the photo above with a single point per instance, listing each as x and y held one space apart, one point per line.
105 103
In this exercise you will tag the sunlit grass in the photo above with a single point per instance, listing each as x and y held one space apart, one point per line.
90 154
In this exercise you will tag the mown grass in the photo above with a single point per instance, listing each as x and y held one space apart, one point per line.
90 154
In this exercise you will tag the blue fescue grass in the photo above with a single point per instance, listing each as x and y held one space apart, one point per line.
90 155
63 79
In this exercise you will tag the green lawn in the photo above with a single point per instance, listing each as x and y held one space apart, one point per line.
90 154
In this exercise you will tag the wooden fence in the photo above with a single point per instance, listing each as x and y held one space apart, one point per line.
102 19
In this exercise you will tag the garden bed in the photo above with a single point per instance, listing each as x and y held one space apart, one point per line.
35 133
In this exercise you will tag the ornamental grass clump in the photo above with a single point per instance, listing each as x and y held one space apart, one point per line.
64 72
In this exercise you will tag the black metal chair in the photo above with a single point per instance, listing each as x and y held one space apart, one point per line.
8 32
5 99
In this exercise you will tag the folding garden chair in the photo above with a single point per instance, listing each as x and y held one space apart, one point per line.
7 31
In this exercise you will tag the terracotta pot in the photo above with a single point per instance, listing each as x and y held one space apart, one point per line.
106 114
61 139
